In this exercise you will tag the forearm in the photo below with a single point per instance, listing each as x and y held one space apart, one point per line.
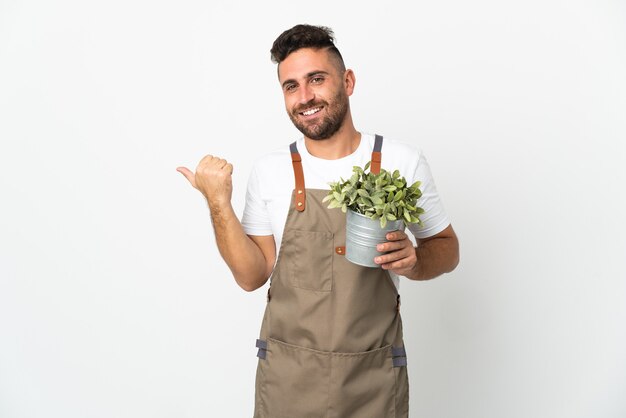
434 258
241 254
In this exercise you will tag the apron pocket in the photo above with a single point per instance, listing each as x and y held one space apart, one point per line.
363 385
295 382
310 255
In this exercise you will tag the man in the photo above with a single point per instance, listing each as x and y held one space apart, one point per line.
331 339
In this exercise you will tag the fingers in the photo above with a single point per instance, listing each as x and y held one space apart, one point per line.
207 167
395 254
397 261
396 241
400 254
212 178
210 162
396 236
189 175
399 267
391 246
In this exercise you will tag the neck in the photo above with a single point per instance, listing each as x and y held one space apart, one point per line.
343 143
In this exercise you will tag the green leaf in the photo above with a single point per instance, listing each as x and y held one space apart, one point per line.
377 200
382 195
368 202
336 204
383 222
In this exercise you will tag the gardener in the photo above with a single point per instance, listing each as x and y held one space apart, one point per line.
331 339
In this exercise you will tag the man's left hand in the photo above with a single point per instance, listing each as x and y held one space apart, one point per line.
400 257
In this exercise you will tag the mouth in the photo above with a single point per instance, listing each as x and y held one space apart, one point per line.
311 111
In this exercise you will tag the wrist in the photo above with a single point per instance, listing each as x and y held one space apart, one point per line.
218 205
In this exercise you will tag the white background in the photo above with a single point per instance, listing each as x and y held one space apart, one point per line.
114 301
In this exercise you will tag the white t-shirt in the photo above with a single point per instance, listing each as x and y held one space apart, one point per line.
271 183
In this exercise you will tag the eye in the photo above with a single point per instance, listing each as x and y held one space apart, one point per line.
317 80
290 88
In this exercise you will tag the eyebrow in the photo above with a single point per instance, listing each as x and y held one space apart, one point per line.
309 75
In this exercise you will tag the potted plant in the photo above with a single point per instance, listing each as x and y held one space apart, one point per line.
375 204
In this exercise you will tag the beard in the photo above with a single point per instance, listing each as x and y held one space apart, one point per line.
336 111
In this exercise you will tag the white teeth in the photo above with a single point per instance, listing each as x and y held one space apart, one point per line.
312 111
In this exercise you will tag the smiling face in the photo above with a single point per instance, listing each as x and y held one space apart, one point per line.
316 90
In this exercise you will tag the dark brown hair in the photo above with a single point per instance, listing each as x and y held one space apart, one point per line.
304 36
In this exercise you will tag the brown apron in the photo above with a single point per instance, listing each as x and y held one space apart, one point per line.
331 340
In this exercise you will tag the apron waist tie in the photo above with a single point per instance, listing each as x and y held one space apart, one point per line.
399 356
262 346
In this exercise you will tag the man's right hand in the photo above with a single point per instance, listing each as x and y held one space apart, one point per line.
250 258
213 178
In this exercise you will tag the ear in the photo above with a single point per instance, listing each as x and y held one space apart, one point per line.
349 80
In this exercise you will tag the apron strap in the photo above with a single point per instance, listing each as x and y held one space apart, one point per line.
296 160
376 155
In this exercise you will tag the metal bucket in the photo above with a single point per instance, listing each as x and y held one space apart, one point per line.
362 236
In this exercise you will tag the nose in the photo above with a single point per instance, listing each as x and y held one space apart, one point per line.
306 94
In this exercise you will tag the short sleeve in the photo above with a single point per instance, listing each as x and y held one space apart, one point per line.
434 219
255 219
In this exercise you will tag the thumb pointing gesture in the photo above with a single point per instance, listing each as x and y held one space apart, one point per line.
213 178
